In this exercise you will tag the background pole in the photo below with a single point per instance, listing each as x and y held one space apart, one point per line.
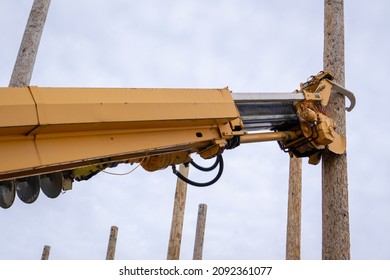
45 252
28 50
178 216
293 240
112 243
200 229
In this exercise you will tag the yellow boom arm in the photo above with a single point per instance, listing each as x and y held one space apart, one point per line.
52 136
51 129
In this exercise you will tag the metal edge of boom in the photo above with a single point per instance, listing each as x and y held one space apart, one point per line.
267 96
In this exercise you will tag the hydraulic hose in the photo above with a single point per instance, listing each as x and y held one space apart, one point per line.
219 161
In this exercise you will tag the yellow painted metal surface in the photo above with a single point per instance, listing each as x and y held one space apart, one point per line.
18 113
45 129
51 137
319 130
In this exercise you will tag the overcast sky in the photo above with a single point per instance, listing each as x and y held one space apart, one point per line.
248 45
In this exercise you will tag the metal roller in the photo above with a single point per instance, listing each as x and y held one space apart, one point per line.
7 193
27 189
51 184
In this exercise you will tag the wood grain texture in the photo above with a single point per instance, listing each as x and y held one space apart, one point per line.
28 50
178 216
200 231
335 209
111 247
293 240
45 252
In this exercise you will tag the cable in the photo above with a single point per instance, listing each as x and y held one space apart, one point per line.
122 174
219 161
128 172
207 169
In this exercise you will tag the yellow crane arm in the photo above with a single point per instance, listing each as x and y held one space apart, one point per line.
52 136
50 129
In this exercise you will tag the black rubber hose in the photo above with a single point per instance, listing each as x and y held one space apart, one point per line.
206 169
197 184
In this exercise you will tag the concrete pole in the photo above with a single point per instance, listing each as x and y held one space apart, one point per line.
335 211
200 229
178 216
112 243
24 64
45 252
293 240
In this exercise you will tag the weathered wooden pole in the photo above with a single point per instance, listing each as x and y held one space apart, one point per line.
335 212
45 252
112 243
24 65
200 229
178 216
25 60
293 240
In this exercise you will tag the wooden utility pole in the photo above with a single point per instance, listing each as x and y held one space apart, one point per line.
24 65
28 50
200 229
112 243
178 216
45 252
293 240
335 212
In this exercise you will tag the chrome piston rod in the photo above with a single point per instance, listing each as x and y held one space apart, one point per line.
266 137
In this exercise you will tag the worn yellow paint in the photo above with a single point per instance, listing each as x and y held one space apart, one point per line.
46 129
